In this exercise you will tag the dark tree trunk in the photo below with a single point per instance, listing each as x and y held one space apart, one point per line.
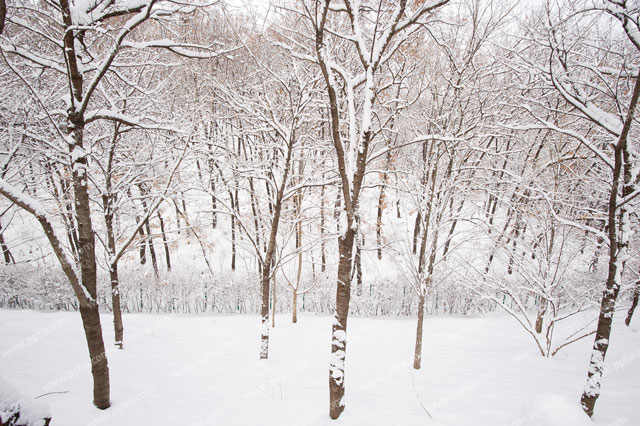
88 302
257 223
165 243
379 222
634 304
416 232
177 217
147 228
339 329
336 211
294 313
269 260
89 310
294 308
118 326
152 250
264 310
541 312
8 257
233 237
143 241
423 282
3 15
323 256
447 244
618 247
358 260
214 206
273 301
99 366
417 356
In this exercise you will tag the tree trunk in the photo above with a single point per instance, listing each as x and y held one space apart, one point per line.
294 313
273 302
147 228
233 232
379 219
423 282
618 247
167 255
143 240
358 260
8 257
3 14
89 312
416 232
445 250
107 201
264 311
339 329
214 200
99 366
336 211
541 312
323 256
87 295
634 303
417 356
270 255
381 199
118 325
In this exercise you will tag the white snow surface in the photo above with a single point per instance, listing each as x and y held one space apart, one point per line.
204 370
32 411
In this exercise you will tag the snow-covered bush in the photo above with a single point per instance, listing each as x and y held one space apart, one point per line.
17 410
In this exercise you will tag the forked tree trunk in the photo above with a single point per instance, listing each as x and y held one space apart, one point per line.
423 282
84 288
270 255
88 302
351 178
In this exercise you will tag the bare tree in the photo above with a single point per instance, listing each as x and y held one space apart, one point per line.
604 100
73 47
371 33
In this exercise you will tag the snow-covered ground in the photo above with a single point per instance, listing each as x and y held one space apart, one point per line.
203 370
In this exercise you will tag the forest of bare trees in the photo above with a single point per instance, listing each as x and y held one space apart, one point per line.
376 158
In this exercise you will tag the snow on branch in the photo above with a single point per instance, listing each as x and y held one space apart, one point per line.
187 50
